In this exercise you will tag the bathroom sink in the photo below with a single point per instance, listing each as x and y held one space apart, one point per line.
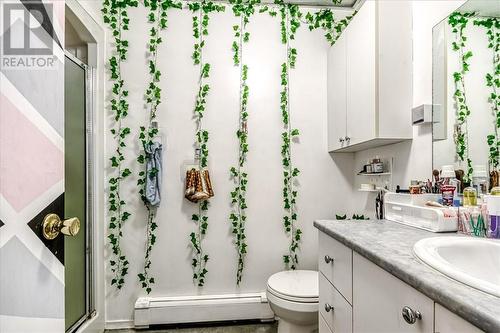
472 261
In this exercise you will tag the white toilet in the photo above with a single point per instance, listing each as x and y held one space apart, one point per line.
293 296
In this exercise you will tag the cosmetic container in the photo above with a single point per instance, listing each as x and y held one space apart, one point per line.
377 165
480 180
470 196
447 194
493 207
449 178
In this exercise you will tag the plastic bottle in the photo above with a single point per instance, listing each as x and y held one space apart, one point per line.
470 196
449 178
493 207
480 180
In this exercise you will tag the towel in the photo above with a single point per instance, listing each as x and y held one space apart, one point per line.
153 173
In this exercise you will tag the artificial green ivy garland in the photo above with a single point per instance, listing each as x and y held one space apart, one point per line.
201 18
458 21
492 26
325 20
115 15
157 17
290 21
243 9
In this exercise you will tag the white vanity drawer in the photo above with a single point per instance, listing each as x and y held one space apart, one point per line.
323 326
335 262
379 298
333 307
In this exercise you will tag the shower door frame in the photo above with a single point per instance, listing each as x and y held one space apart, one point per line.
90 277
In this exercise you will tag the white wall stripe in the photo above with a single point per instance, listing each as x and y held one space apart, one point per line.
59 31
15 225
45 199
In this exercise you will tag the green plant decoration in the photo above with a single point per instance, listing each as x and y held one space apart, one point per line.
158 18
242 9
458 22
201 19
359 217
492 26
290 21
116 17
325 20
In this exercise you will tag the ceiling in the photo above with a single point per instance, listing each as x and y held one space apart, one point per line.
347 4
482 7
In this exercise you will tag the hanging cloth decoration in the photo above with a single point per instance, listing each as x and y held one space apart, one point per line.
153 152
198 185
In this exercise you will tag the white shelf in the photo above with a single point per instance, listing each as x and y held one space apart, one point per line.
375 190
375 174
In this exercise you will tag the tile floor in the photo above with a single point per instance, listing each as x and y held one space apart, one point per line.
240 328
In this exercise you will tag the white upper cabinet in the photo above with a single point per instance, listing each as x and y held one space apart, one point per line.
370 78
337 94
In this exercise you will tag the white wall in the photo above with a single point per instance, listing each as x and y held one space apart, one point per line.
413 160
324 182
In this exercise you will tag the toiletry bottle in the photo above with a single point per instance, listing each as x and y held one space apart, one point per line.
493 207
470 196
449 178
368 167
377 165
480 180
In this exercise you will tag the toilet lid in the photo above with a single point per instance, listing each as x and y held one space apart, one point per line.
297 285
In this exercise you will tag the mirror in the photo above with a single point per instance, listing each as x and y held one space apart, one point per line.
465 85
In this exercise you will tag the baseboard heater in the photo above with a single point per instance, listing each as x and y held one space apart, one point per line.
197 309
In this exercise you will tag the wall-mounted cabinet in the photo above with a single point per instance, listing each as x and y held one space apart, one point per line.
370 79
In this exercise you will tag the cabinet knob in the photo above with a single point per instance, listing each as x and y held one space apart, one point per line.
347 139
341 140
410 316
328 307
328 259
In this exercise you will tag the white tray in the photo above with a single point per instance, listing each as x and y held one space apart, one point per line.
409 209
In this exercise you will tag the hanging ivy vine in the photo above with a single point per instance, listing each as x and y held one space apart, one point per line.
158 18
458 21
290 21
492 26
242 9
201 19
116 17
325 20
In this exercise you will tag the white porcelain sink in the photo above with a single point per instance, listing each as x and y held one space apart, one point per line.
473 261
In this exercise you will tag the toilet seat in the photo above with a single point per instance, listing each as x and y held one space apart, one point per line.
299 286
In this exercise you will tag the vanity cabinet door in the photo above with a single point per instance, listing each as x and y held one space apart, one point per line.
323 326
335 262
333 307
336 92
379 298
448 322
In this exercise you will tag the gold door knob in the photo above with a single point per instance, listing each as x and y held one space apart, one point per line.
53 225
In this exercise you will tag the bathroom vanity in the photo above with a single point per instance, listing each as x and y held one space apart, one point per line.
371 281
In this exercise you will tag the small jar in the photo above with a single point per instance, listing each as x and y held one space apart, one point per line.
415 189
377 165
470 196
495 190
447 194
